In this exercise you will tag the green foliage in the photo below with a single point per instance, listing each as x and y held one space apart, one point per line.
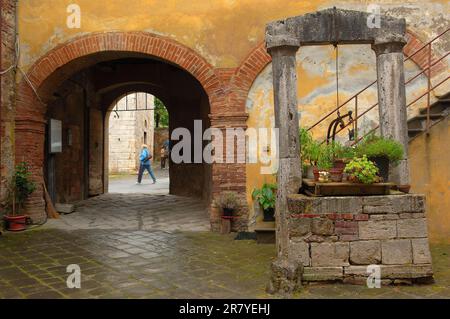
322 155
228 200
266 196
375 146
309 149
326 156
362 170
161 114
21 188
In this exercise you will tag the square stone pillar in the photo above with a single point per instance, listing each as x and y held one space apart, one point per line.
392 100
286 121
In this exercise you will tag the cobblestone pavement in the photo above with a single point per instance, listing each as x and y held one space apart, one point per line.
141 246
136 212
126 184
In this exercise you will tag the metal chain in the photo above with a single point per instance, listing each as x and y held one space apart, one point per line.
337 78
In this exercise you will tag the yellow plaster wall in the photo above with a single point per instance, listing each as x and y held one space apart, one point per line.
430 175
223 31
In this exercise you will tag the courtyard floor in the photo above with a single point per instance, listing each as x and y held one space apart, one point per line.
159 246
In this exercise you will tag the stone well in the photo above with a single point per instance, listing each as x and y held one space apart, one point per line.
336 238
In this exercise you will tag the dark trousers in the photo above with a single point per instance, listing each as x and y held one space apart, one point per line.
163 161
142 169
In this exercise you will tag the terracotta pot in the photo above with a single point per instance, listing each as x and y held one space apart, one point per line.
15 223
336 174
339 163
404 188
316 173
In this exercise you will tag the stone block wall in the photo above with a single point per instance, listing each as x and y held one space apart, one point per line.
336 238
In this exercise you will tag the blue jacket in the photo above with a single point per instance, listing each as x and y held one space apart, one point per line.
144 154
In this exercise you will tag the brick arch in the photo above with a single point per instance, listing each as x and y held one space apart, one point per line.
135 42
76 54
244 76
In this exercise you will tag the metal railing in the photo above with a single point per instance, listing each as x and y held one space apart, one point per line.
430 88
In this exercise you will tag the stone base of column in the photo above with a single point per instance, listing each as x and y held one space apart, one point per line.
286 277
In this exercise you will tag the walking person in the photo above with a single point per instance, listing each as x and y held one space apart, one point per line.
145 164
163 158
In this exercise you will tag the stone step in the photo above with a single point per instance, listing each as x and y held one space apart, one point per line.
265 233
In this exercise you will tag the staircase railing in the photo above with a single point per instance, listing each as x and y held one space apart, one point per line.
430 64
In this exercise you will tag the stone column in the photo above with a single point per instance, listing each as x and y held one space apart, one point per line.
392 100
289 177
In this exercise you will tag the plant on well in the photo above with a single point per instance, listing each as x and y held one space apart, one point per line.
362 170
309 149
376 146
266 195
228 200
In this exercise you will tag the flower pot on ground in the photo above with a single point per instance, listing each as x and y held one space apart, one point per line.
384 152
20 189
15 223
362 170
269 215
266 198
229 202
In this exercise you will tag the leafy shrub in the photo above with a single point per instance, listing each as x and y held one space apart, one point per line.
21 187
375 146
362 170
266 196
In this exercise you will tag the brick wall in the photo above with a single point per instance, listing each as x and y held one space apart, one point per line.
7 59
336 238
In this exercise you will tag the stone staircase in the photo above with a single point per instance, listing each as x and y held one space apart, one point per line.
265 232
438 112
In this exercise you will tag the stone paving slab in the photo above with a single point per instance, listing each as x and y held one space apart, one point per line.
136 212
142 246
159 264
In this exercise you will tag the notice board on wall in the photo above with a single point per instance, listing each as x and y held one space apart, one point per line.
55 138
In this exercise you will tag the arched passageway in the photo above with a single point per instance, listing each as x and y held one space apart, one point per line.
78 89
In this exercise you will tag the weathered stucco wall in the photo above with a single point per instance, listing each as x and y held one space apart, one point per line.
223 31
317 93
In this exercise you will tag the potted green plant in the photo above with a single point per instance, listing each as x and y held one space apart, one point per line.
382 151
229 202
21 188
342 155
324 162
362 170
309 151
339 155
266 197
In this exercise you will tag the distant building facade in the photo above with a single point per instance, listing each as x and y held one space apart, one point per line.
128 130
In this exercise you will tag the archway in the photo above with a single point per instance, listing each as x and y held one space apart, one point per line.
97 69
